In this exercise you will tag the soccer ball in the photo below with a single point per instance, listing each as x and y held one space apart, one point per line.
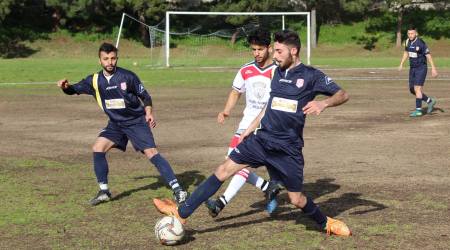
169 230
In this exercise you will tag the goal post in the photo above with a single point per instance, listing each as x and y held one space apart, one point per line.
282 14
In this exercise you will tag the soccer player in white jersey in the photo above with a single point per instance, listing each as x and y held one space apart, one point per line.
253 79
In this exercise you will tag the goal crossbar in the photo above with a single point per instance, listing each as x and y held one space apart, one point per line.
282 14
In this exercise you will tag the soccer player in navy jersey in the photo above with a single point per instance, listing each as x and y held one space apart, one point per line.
122 96
253 80
418 53
275 137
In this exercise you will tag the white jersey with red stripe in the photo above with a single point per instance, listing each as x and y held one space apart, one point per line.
255 83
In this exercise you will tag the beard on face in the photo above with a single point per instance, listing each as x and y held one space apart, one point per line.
109 71
286 63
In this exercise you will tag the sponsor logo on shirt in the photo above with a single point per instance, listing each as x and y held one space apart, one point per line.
412 54
123 85
111 87
247 72
286 80
300 83
328 80
283 104
114 103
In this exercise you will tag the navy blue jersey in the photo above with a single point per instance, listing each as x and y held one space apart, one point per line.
120 98
417 51
291 90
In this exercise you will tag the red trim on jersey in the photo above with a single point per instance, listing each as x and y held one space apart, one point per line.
252 70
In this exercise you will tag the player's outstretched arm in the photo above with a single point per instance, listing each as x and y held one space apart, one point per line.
434 72
63 84
66 87
405 56
316 107
233 97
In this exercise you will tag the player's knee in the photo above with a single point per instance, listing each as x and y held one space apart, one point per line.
297 199
99 148
411 89
150 152
224 171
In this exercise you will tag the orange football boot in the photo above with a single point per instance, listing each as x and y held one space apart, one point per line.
168 207
337 227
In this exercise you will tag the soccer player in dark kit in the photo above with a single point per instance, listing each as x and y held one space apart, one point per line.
122 96
418 53
275 137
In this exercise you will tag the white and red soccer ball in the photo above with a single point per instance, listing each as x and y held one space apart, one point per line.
169 230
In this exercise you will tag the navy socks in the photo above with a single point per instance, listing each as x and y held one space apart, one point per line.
313 211
101 167
207 189
165 170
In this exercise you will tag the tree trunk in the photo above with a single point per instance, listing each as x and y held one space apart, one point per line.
234 37
143 30
398 41
56 16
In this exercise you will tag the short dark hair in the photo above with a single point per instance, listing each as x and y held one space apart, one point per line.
288 37
107 47
412 28
259 37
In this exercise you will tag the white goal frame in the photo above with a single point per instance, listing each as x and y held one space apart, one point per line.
282 14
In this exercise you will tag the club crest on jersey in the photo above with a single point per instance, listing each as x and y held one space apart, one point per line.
300 83
417 48
123 85
141 88
328 80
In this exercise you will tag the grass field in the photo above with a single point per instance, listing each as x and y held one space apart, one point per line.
367 163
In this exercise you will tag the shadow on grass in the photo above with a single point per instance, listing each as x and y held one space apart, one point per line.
331 207
186 179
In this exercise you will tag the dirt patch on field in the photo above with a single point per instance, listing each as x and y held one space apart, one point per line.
367 162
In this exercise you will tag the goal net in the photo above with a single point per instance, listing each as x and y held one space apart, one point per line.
213 39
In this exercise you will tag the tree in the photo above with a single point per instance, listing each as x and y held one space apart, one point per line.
399 7
5 8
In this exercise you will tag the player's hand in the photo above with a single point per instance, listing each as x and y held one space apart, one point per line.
150 119
221 117
400 67
314 107
434 72
63 84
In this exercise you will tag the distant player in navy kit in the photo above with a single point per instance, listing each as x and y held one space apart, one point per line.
275 137
122 96
418 53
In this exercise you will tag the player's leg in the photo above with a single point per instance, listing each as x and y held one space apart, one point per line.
251 152
412 88
216 205
141 137
307 205
237 182
420 82
204 191
108 138
290 169
273 189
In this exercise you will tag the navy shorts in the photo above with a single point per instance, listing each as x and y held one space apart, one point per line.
284 162
417 76
139 134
